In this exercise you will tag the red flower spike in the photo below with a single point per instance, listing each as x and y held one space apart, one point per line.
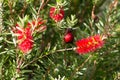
25 39
89 44
56 15
25 46
24 33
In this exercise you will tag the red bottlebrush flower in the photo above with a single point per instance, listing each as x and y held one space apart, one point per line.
56 14
24 33
25 39
68 38
26 45
89 44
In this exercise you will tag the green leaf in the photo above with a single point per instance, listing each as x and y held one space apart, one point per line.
26 71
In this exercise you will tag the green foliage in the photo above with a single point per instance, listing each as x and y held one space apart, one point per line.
51 58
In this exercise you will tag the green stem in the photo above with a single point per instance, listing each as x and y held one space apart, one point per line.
35 59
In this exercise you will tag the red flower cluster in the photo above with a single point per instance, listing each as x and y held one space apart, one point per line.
89 44
25 39
56 14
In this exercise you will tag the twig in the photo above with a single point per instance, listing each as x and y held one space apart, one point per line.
93 16
93 71
19 62
1 16
10 6
35 59
107 26
43 3
80 66
24 8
